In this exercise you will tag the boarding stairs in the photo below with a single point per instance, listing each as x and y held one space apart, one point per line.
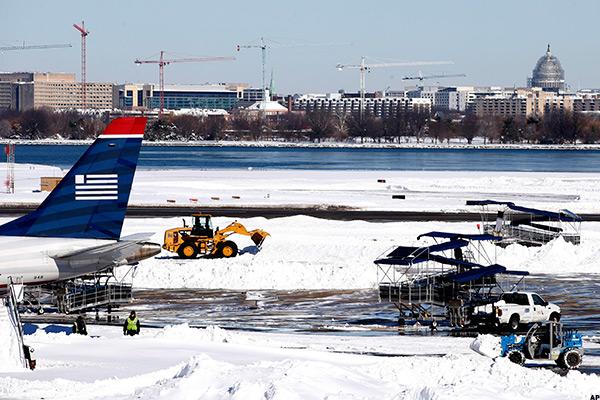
528 235
538 237
11 330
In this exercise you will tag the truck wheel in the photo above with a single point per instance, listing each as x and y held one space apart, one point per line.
513 322
187 250
516 357
570 359
228 249
554 317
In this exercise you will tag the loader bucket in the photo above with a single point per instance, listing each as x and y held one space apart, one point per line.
259 237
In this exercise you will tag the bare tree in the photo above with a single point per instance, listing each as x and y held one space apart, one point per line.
6 130
417 122
320 123
340 125
469 127
36 124
212 127
489 128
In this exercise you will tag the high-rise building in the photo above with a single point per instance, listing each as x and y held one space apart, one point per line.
225 96
453 98
53 90
378 106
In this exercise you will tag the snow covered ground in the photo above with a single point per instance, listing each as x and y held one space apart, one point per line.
179 362
424 190
307 253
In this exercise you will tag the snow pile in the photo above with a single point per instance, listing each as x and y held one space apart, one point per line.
211 333
301 253
487 345
309 253
180 362
10 354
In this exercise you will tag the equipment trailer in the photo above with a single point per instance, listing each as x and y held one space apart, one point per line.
445 280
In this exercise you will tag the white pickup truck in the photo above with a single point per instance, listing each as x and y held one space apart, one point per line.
514 308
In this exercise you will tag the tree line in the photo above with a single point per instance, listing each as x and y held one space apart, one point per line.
555 127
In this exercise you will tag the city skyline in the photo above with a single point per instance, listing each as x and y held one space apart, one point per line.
490 43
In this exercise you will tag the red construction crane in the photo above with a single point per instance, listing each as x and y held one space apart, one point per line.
84 33
162 61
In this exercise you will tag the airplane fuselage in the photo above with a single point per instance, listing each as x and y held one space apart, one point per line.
33 260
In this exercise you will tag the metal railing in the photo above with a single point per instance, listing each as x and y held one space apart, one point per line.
89 296
13 313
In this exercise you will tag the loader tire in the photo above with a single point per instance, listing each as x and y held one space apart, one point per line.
228 249
188 250
516 357
554 317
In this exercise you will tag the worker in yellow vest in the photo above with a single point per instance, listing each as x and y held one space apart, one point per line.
131 326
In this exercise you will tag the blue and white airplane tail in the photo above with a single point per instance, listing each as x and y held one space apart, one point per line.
91 200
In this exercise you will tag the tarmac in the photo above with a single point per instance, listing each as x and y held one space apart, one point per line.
333 213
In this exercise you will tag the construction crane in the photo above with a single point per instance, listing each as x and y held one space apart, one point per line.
162 61
422 77
84 33
264 46
35 46
363 68
263 49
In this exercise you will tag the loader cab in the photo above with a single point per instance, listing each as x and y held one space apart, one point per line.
202 225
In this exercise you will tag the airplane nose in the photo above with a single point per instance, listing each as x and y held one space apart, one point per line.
144 251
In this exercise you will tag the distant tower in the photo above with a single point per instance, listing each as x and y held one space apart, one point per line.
548 73
272 85
9 149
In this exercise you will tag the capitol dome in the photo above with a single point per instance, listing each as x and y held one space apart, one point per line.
548 74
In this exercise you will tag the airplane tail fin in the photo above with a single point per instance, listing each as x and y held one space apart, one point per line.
91 200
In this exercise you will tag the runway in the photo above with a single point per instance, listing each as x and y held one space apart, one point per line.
332 213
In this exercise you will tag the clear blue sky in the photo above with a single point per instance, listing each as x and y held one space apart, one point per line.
493 42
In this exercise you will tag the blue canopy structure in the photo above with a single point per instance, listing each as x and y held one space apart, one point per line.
407 255
475 274
483 272
454 236
562 215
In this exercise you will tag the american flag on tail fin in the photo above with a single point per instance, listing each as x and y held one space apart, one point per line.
96 187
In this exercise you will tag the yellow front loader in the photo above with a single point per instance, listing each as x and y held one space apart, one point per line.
200 239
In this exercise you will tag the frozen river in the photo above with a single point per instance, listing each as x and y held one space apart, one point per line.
409 159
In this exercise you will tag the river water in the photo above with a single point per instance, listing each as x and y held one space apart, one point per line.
228 157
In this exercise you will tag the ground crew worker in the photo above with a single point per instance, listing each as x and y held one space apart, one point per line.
131 326
79 326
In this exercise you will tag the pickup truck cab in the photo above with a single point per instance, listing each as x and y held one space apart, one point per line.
514 308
